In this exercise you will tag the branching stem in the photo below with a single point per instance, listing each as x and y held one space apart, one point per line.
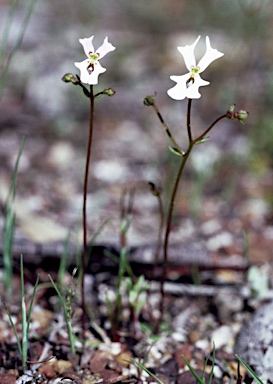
184 160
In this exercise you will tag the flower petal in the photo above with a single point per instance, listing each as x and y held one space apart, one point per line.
210 55
87 44
182 90
89 77
192 91
188 54
178 92
105 48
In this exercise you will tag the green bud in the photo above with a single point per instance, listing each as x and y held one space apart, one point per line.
109 92
231 108
241 116
149 100
69 78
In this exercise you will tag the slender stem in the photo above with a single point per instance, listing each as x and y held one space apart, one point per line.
160 230
169 222
171 206
84 251
173 141
209 128
189 120
185 157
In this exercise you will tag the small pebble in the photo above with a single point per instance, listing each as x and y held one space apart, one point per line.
221 336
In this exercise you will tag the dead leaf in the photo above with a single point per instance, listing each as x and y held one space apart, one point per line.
99 361
7 378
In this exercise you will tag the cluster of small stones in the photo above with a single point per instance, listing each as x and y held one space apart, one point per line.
255 342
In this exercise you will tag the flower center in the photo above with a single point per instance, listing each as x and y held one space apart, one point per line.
93 58
194 71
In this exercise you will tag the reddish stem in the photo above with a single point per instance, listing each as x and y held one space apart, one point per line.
185 157
84 251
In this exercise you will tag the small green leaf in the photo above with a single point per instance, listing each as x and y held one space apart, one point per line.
176 151
203 140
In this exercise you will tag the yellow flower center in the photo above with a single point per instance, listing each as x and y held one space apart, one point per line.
93 58
194 71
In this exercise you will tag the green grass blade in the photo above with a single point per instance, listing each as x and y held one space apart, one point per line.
4 42
8 59
141 366
67 318
198 378
94 237
24 315
212 365
31 304
249 370
9 223
64 260
115 258
14 329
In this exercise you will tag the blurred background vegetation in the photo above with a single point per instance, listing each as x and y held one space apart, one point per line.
36 103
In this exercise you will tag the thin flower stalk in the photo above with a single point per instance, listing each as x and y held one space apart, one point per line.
173 141
85 187
157 193
90 69
184 160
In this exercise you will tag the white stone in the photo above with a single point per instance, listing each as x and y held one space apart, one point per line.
221 336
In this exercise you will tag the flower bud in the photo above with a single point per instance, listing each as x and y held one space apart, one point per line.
231 108
149 100
69 78
109 92
241 116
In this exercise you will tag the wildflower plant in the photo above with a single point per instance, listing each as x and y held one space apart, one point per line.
90 69
187 86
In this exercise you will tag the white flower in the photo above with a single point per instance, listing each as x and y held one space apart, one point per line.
188 85
91 68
